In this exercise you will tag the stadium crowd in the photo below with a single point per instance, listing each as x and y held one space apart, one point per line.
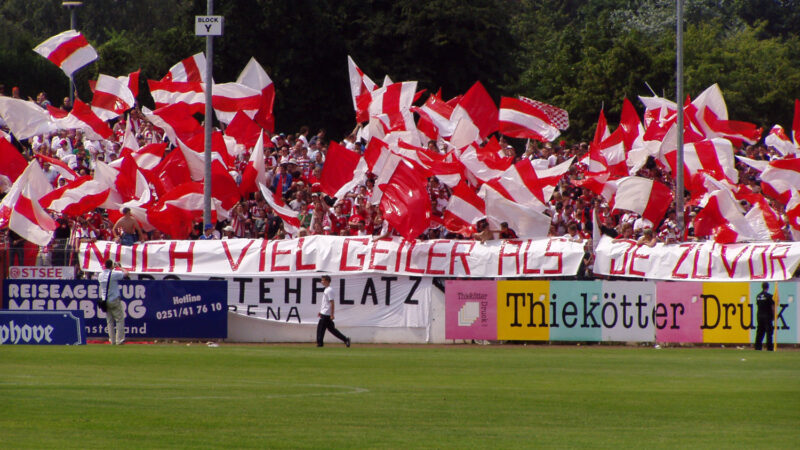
294 163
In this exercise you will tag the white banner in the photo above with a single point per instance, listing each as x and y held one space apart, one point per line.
360 300
342 255
697 261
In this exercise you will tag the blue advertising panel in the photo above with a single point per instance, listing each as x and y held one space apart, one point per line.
41 328
153 309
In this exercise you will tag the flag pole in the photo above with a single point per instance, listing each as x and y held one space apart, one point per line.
679 100
208 122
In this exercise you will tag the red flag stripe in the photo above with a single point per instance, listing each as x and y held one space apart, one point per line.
66 49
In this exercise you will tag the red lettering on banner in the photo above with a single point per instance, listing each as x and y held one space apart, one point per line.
695 265
174 255
375 250
557 255
431 255
753 249
275 254
634 256
681 259
132 267
408 267
525 255
299 255
145 255
773 257
503 254
235 265
91 249
455 254
346 251
624 265
731 269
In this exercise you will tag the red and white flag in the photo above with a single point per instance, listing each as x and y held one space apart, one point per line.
558 116
167 93
191 69
132 81
20 209
83 117
68 50
291 224
255 77
176 121
722 218
525 221
60 166
599 184
149 156
78 197
485 162
111 97
479 107
25 119
780 177
521 119
609 156
765 221
194 151
176 211
714 156
360 85
245 131
393 98
255 171
777 138
343 170
13 164
229 98
464 209
439 113
405 203
170 173
524 184
649 198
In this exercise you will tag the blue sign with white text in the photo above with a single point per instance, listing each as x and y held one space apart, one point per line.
41 328
153 309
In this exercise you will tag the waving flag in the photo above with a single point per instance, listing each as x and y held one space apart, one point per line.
229 98
648 198
478 106
77 197
520 119
360 87
20 209
464 209
191 69
343 170
111 97
167 93
255 77
13 164
68 50
291 224
25 119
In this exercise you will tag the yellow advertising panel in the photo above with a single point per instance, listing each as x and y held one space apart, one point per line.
523 310
727 313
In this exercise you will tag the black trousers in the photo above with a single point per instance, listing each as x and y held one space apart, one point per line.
325 323
764 328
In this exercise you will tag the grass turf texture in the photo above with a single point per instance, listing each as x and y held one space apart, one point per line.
144 396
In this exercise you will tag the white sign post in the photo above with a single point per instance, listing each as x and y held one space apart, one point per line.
208 25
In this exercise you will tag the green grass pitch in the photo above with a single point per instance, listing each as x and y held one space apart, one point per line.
300 396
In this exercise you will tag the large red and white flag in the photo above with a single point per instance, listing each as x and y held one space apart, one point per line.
13 164
609 156
360 85
405 203
712 118
167 93
721 217
777 138
648 198
64 171
558 116
520 119
176 211
68 50
111 97
25 119
599 184
78 197
343 170
524 184
82 117
254 172
20 209
191 69
176 121
464 209
780 177
525 221
714 156
438 112
255 77
245 131
229 98
150 156
194 151
478 106
291 224
170 173
485 162
765 221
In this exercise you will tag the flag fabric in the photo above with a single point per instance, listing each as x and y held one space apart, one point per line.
778 139
714 156
83 117
598 184
229 98
405 202
68 50
343 170
764 221
255 170
60 166
520 119
76 198
780 177
20 209
291 224
464 208
149 156
649 198
477 105
170 173
601 132
167 93
111 97
722 218
360 87
13 164
524 184
176 211
176 121
526 222
245 131
609 156
439 113
191 69
25 119
255 77
559 117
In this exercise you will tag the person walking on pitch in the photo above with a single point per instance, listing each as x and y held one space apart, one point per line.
326 315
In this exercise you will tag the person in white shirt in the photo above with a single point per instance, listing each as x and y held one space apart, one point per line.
109 291
326 315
